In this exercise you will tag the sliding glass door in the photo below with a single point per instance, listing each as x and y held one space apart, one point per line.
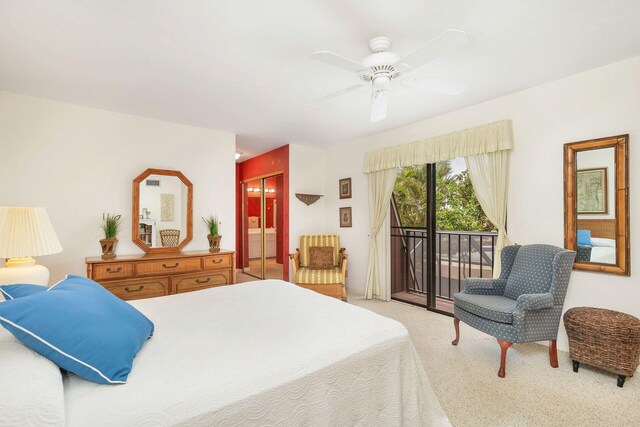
262 227
252 256
439 235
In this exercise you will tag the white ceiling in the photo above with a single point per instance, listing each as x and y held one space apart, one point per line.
244 66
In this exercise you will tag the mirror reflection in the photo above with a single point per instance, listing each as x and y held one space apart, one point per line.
163 211
595 206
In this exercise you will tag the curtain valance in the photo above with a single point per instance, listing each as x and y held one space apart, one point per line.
482 139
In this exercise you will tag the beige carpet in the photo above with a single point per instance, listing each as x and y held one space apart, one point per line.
273 271
532 394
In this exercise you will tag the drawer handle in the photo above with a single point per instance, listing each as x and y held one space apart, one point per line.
117 270
171 266
203 281
217 261
134 290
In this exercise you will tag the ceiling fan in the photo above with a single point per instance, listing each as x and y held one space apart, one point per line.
382 67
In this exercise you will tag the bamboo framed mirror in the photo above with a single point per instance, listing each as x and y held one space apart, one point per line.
596 204
162 211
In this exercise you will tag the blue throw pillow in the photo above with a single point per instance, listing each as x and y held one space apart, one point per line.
81 327
584 238
18 291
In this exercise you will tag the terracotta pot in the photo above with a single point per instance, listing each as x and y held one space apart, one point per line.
214 242
109 248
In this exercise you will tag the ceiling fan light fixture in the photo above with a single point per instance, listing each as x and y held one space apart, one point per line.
381 81
381 67
381 58
379 100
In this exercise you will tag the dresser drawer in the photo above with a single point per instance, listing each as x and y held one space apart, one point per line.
168 266
113 270
139 288
201 281
217 261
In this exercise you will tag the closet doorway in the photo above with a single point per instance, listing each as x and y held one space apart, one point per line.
262 227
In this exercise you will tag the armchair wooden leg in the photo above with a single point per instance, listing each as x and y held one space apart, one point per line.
456 324
504 346
553 354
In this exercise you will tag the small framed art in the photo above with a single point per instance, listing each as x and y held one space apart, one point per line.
345 188
592 191
345 217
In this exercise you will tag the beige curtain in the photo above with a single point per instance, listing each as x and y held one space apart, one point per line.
485 149
381 185
488 138
489 175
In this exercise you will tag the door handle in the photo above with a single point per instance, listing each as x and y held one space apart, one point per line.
117 270
203 281
171 266
217 261
134 290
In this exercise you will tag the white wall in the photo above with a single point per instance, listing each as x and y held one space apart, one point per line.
307 171
79 162
598 103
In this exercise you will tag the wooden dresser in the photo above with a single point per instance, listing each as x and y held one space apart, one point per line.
153 275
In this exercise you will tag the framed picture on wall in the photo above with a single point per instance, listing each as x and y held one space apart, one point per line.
345 217
345 188
591 185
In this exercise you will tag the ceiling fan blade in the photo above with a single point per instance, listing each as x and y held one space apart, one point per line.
439 86
379 105
338 93
446 42
331 58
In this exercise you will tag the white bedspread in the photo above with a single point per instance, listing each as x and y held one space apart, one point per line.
263 353
31 391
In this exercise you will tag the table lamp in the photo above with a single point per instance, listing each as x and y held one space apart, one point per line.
25 233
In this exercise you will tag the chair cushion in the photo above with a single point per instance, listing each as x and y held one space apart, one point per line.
532 271
306 242
321 257
493 307
308 276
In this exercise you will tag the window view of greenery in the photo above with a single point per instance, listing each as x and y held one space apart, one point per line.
457 206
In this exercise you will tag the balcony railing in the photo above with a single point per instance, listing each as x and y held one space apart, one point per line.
458 254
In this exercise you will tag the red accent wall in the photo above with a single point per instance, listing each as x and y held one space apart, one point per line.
270 163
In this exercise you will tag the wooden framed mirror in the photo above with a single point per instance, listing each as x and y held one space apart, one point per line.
162 213
596 204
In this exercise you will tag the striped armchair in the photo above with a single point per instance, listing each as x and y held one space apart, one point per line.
330 282
524 304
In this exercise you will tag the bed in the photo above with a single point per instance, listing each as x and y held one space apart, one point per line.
258 353
603 250
603 243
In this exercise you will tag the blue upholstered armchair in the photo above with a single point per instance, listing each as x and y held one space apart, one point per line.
524 304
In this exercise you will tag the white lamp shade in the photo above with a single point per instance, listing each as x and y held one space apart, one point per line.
26 232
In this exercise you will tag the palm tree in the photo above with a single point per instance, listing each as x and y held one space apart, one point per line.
457 206
411 195
443 169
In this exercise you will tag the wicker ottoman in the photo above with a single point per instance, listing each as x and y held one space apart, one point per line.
606 339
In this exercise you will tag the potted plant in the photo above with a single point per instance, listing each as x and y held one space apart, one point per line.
214 238
110 227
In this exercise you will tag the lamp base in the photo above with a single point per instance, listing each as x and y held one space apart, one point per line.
24 270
